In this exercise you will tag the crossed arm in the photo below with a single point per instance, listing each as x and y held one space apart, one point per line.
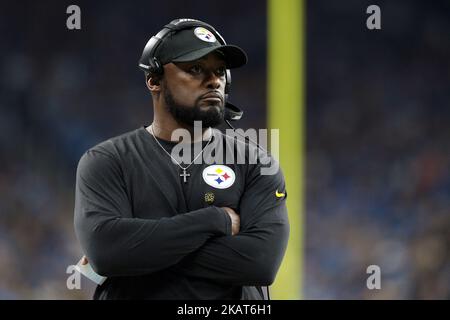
199 243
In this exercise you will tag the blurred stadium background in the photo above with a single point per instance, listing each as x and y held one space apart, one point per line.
377 181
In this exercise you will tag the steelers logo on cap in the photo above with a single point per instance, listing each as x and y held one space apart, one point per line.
204 34
219 176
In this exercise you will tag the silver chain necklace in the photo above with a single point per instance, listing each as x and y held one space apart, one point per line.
184 174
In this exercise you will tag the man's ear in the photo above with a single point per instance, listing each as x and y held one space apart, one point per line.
153 83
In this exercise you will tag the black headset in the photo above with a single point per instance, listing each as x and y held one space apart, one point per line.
149 63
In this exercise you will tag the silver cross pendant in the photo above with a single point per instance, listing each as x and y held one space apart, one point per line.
184 175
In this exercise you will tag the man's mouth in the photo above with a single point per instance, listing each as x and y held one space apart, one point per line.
212 96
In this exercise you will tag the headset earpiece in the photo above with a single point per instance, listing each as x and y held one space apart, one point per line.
155 66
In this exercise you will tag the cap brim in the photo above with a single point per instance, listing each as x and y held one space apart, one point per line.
234 56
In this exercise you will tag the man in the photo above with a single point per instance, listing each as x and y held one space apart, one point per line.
162 228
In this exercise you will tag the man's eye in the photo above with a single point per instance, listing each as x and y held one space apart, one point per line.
221 72
195 69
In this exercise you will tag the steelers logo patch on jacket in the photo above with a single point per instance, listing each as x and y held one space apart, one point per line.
219 176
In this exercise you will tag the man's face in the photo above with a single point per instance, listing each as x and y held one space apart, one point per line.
195 90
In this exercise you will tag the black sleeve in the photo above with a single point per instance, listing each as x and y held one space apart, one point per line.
117 244
253 256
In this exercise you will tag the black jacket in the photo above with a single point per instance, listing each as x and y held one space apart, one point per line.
156 237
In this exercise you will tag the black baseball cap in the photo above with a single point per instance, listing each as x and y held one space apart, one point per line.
196 42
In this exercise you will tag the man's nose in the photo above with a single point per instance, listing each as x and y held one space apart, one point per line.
214 81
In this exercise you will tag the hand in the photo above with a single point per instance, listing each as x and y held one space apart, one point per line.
84 260
235 220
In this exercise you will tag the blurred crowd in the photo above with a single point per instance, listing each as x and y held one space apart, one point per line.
378 182
64 91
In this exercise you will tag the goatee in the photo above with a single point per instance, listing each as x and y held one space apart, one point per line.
211 116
